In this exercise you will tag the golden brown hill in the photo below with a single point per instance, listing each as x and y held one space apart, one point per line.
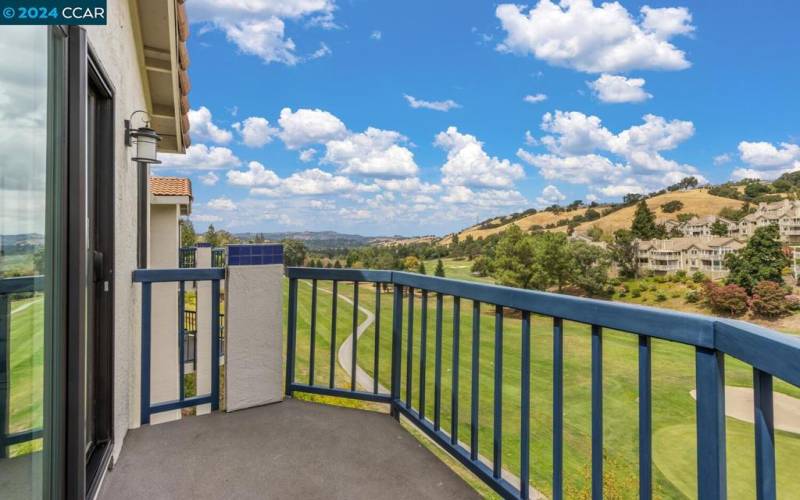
696 201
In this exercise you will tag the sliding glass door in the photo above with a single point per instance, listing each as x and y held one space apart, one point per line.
32 132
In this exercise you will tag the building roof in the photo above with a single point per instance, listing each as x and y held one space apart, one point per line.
171 186
679 244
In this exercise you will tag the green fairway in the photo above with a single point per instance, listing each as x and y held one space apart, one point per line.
26 350
673 378
456 269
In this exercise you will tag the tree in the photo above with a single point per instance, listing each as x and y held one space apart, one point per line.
421 268
590 267
685 183
337 264
481 266
644 223
719 228
553 260
729 299
769 300
595 233
761 259
624 252
514 258
211 237
686 216
756 189
411 263
188 234
294 252
439 269
672 206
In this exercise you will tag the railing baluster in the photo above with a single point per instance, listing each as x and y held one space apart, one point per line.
710 380
423 343
558 408
375 362
181 338
765 435
144 409
355 338
334 307
645 420
214 345
597 412
397 333
5 365
473 421
454 388
498 393
291 336
312 347
525 396
410 347
437 372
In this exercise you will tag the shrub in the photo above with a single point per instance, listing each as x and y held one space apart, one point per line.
636 293
675 295
660 297
672 206
681 275
769 300
728 299
692 297
698 277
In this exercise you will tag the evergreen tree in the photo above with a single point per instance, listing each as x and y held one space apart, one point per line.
439 269
188 234
623 252
211 237
762 259
644 223
421 268
337 264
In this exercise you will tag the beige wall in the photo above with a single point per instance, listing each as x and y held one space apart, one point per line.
115 48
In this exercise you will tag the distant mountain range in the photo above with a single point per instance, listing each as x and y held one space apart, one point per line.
20 243
325 239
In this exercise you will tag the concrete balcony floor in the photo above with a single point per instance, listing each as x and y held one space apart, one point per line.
292 449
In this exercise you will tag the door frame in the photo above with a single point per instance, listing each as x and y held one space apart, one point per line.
82 474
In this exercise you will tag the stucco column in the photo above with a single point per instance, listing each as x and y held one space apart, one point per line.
164 377
254 327
203 338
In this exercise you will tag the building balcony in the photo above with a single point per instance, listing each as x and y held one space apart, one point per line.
458 386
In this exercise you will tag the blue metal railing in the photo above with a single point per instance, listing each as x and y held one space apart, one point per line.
770 354
149 276
187 257
8 288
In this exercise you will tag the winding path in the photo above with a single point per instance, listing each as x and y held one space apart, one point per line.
363 379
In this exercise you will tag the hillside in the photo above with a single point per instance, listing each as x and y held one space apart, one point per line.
525 223
696 201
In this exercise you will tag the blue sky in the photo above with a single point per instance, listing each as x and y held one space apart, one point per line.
423 117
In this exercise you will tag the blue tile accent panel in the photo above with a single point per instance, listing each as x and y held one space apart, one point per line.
254 255
203 245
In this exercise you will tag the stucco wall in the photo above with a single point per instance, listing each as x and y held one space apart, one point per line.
115 47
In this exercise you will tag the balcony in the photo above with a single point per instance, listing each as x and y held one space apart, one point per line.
525 393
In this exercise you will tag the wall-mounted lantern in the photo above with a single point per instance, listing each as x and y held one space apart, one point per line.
145 138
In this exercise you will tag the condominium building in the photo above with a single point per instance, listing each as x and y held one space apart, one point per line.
705 254
785 214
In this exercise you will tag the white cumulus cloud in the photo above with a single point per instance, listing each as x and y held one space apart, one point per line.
309 126
468 164
201 157
577 34
373 153
764 160
255 131
618 89
255 175
534 98
209 179
203 128
222 203
550 196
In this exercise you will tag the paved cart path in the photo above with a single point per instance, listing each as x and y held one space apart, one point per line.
364 380
739 405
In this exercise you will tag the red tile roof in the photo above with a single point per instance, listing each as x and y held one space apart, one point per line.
170 186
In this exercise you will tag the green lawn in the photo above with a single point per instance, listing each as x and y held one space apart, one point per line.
26 363
456 269
674 409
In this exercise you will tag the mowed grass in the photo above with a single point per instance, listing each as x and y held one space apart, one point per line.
674 467
456 269
26 359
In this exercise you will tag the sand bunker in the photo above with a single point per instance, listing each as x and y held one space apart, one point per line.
739 405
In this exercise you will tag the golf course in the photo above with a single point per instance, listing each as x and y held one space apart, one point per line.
674 467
